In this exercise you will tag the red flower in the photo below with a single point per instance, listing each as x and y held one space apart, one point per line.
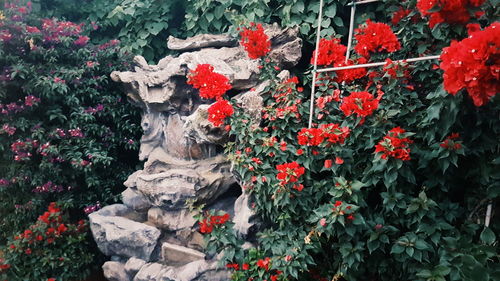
28 251
450 11
264 263
310 137
255 41
349 75
399 15
474 64
211 85
62 228
205 226
234 266
361 103
330 52
215 220
375 37
51 279
333 133
337 204
328 163
450 142
245 266
339 161
298 187
394 145
300 151
289 172
218 111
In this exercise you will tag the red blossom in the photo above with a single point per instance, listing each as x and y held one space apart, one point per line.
211 85
328 163
255 41
474 64
264 263
339 161
333 133
330 52
399 15
451 142
349 75
394 145
362 104
289 172
218 111
310 137
375 37
449 11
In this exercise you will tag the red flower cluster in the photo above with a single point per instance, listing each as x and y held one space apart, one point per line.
212 85
289 172
399 15
255 41
451 142
474 64
207 224
236 266
361 103
332 132
264 263
394 145
218 111
330 52
450 11
322 101
395 69
349 75
375 37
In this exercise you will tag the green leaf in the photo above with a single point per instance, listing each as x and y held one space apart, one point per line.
331 10
487 236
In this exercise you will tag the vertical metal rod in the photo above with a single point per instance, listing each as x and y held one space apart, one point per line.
315 65
351 32
488 215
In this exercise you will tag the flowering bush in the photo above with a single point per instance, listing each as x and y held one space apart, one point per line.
53 242
66 131
391 182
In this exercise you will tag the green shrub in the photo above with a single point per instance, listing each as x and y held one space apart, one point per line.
393 180
50 248
67 132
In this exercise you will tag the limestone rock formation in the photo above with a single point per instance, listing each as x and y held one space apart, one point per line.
153 235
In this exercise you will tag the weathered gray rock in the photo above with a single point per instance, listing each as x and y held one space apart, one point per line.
115 271
171 220
133 266
201 41
135 200
169 182
123 237
178 255
197 270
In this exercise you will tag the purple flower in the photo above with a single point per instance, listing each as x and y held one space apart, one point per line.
81 41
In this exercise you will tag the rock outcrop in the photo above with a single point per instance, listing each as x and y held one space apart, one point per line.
153 236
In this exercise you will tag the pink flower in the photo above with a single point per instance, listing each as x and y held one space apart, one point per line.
81 41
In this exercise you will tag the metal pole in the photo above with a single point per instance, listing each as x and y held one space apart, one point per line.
315 65
374 64
361 2
351 31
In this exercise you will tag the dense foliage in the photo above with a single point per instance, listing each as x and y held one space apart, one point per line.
393 180
67 132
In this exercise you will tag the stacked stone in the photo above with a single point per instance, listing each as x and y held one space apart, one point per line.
153 235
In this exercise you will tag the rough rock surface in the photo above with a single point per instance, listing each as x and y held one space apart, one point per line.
171 220
115 271
123 237
201 41
135 200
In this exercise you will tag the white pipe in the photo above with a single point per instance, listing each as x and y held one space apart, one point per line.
374 64
488 215
351 31
315 65
354 3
